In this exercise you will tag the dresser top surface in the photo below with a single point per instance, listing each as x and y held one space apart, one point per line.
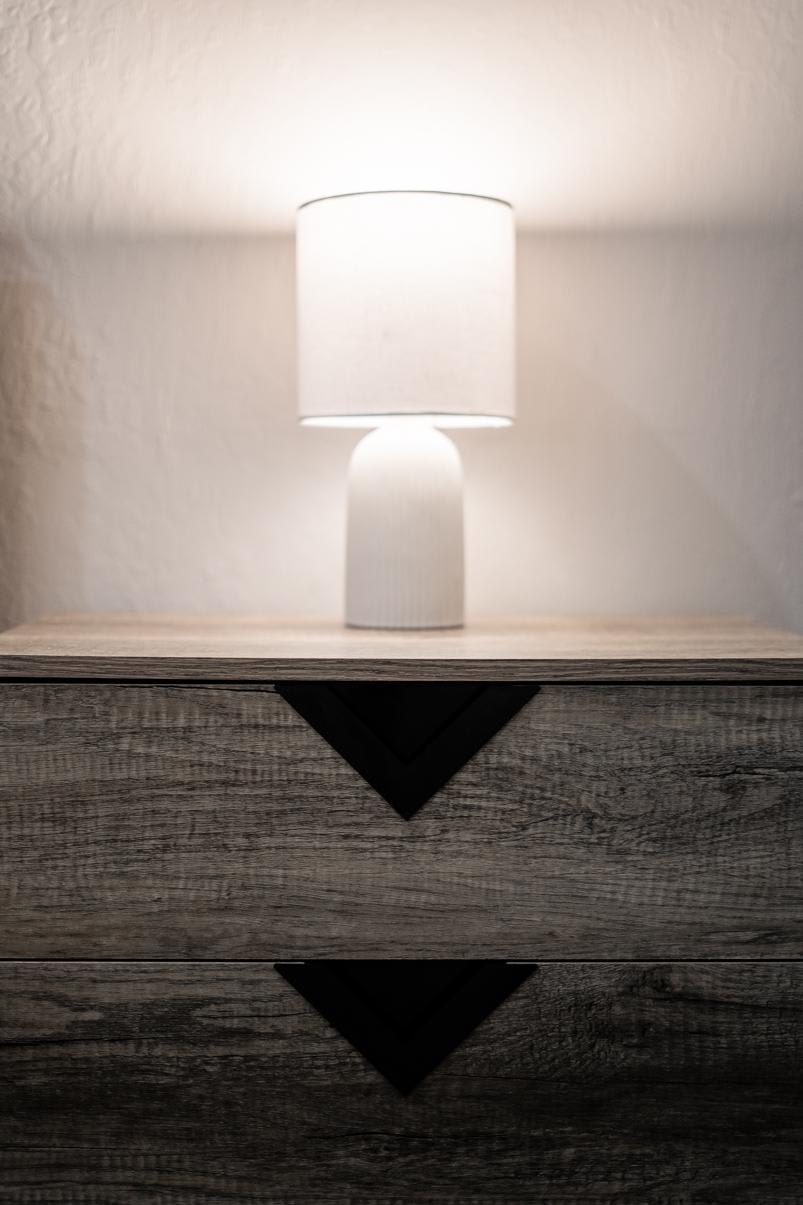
537 649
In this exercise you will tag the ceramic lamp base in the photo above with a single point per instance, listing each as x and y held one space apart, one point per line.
404 554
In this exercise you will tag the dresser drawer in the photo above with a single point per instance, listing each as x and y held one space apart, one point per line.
626 821
648 1084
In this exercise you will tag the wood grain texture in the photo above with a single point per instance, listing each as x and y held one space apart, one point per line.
602 822
653 1084
543 649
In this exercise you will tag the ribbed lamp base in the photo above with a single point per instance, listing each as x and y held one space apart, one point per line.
404 555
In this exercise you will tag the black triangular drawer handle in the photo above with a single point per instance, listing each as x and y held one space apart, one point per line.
407 739
405 1017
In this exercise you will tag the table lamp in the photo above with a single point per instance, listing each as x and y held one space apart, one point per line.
405 325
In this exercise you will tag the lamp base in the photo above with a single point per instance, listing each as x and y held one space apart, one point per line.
404 548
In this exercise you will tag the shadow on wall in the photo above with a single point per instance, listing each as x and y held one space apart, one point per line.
589 511
655 461
41 418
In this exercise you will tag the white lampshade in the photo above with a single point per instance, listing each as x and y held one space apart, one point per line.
406 307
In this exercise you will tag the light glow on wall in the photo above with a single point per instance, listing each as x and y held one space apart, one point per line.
223 115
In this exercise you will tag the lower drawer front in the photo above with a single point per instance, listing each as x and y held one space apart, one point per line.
601 822
594 1082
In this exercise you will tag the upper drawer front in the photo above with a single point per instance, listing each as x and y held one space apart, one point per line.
607 822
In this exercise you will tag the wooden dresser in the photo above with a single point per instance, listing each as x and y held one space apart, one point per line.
616 805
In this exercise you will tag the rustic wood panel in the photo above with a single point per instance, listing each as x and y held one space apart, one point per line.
658 1084
603 822
544 649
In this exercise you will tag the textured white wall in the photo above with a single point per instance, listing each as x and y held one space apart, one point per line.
220 115
150 457
151 155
